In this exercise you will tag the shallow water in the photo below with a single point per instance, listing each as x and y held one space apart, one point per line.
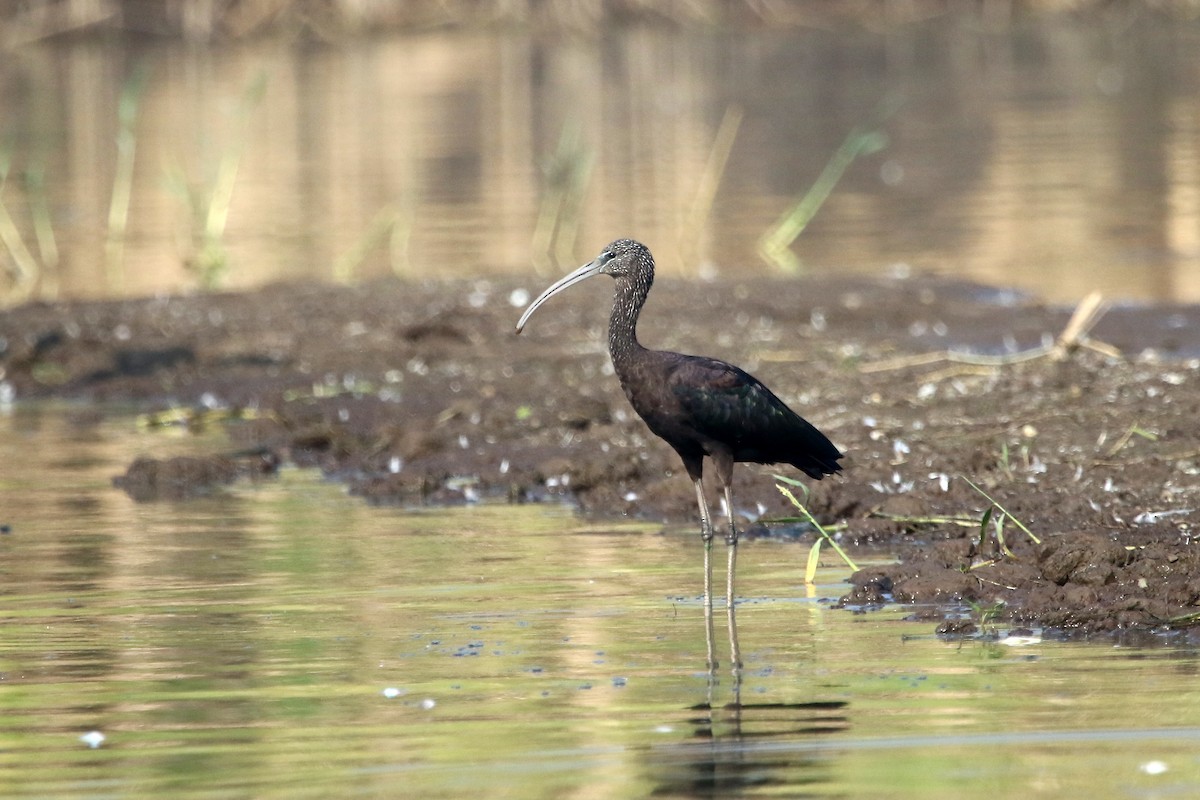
283 639
1055 153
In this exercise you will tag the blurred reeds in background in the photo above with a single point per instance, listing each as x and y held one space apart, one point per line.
170 145
208 21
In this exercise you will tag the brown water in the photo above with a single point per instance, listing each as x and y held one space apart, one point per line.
1054 153
284 640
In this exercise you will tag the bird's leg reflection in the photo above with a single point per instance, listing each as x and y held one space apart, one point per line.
708 610
706 534
735 654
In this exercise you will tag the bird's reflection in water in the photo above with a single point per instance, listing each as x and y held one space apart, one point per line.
726 754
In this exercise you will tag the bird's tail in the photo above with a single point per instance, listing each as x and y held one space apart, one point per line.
820 457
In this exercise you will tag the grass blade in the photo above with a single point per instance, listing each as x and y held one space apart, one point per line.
814 558
1002 509
812 520
983 523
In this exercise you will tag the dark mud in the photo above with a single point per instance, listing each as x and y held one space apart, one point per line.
421 393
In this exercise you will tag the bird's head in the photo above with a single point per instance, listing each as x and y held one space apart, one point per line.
623 258
620 259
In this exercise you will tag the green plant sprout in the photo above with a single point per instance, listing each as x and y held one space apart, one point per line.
1004 512
997 521
986 615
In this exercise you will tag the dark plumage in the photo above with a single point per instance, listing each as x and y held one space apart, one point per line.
700 406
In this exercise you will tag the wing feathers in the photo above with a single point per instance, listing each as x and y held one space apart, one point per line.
729 405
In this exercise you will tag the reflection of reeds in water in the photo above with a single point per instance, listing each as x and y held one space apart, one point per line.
706 189
567 173
26 269
122 191
209 206
391 224
43 227
775 244
23 267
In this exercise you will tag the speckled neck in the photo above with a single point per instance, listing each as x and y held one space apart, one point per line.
628 299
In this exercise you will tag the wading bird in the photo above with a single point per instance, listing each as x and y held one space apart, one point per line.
700 406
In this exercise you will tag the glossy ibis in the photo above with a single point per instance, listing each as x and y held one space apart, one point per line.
700 406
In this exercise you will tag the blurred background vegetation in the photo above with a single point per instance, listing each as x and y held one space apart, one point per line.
152 146
216 20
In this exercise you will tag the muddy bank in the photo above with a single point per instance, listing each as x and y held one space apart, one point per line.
421 393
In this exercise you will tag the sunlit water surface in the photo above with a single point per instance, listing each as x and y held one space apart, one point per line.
285 640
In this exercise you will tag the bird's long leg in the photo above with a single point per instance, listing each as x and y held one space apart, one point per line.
735 654
706 526
706 534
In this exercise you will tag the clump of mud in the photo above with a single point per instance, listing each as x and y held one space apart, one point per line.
183 477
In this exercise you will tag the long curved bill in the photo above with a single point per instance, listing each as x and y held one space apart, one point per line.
567 281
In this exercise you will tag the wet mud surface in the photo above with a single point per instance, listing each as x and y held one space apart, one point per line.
417 393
